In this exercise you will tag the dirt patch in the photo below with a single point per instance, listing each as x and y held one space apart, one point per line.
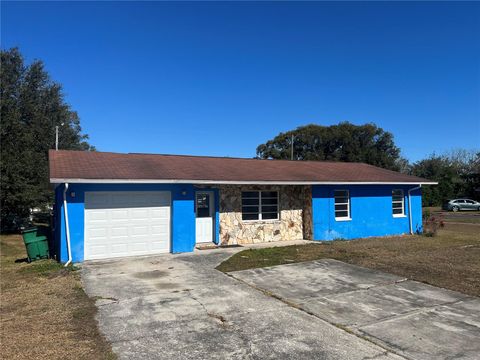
45 314
449 260
466 216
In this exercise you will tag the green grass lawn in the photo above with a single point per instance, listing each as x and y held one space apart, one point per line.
449 260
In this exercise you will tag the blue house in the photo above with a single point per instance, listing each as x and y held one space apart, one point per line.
111 205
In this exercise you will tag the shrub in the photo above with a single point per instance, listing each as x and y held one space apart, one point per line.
432 224
426 214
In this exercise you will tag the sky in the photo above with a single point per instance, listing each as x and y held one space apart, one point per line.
220 78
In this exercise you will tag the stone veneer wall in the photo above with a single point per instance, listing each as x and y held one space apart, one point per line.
295 203
307 213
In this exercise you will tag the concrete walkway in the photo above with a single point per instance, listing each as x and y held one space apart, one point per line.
413 319
180 307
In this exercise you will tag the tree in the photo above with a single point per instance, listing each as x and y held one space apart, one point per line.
31 106
457 173
437 168
472 177
343 142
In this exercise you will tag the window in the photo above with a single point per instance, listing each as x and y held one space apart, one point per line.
342 204
398 202
203 205
259 205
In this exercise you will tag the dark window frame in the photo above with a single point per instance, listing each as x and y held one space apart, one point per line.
264 201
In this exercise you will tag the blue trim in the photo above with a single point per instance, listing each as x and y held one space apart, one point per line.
217 216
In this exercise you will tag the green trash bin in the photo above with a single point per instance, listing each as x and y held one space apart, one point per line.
36 244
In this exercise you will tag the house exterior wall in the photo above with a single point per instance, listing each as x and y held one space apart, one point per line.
371 212
182 215
306 212
292 203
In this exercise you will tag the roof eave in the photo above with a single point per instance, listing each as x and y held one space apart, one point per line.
233 182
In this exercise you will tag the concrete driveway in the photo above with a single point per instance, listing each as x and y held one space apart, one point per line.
412 319
180 307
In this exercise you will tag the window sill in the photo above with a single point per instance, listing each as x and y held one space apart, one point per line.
261 221
399 216
343 219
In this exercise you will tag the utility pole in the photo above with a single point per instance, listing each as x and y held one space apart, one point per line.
291 144
56 135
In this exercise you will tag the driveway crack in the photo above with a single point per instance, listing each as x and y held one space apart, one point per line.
222 321
385 353
220 318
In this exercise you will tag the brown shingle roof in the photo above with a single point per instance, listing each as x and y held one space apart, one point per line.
85 166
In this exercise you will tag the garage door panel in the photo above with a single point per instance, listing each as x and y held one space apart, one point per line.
159 229
120 248
140 230
126 223
119 214
99 233
159 245
139 248
119 232
97 215
97 249
161 213
139 213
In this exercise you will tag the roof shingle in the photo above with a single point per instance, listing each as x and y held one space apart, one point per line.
78 166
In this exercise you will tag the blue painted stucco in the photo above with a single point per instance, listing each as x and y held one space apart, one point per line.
217 217
182 215
371 212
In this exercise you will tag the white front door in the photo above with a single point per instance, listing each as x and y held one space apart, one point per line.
204 216
126 223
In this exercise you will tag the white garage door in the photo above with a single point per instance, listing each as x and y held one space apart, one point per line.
126 224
